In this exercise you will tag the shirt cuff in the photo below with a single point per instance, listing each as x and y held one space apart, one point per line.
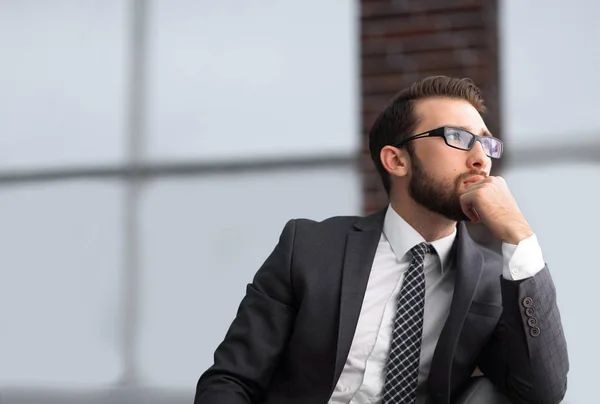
522 261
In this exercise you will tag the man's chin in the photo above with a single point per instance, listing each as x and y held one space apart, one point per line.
458 218
455 215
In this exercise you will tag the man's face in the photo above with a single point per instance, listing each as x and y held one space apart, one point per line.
438 172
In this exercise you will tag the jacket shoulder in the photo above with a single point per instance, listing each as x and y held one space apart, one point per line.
334 223
330 232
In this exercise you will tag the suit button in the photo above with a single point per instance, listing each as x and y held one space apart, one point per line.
535 331
532 321
528 302
529 312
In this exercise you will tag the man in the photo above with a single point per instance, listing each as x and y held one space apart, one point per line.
404 305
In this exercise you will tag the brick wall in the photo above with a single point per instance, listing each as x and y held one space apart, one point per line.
405 40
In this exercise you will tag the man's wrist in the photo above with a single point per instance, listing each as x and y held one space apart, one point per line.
517 234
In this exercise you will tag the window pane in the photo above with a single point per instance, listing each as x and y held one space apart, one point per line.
550 82
234 78
204 239
62 79
60 268
561 204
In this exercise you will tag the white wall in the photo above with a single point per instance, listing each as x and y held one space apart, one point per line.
550 87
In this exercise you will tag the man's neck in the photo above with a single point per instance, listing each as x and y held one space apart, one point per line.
431 226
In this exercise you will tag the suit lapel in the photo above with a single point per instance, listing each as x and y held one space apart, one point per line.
469 266
361 246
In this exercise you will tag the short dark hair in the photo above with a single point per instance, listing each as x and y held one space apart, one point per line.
398 121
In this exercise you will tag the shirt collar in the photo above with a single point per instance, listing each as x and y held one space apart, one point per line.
402 237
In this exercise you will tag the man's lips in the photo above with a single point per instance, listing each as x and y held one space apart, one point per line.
473 179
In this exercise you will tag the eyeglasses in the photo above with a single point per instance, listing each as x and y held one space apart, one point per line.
462 139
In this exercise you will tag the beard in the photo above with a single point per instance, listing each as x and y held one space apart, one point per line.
439 196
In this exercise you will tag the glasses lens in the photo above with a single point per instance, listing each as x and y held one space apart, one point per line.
492 146
458 138
461 139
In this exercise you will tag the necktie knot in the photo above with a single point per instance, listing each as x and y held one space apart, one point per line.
418 252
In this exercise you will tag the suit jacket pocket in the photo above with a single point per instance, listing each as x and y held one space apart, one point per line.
485 309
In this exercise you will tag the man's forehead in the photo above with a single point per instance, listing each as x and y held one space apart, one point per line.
431 113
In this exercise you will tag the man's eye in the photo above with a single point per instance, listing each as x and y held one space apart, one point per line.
488 143
453 136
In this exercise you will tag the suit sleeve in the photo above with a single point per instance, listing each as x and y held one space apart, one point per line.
251 350
527 354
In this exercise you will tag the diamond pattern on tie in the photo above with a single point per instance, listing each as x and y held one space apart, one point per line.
405 349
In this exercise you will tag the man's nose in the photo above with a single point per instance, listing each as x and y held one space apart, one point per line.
478 158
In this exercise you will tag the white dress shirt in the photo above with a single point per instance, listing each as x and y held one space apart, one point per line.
361 380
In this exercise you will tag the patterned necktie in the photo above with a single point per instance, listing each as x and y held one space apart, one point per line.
405 349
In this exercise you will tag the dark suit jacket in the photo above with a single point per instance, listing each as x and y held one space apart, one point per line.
293 330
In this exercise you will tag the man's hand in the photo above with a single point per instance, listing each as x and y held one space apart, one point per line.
491 203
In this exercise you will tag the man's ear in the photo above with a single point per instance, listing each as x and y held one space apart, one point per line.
395 161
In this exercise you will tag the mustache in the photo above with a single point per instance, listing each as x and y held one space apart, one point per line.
465 176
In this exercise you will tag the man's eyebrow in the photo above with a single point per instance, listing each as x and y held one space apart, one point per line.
483 133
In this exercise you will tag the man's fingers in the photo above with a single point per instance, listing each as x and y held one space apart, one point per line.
476 218
477 185
466 204
471 213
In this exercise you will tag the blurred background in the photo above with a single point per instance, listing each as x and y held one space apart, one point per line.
151 152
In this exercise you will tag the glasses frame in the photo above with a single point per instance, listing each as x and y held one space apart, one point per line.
441 132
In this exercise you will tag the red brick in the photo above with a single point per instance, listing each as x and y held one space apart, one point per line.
383 84
433 41
438 60
384 8
421 24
